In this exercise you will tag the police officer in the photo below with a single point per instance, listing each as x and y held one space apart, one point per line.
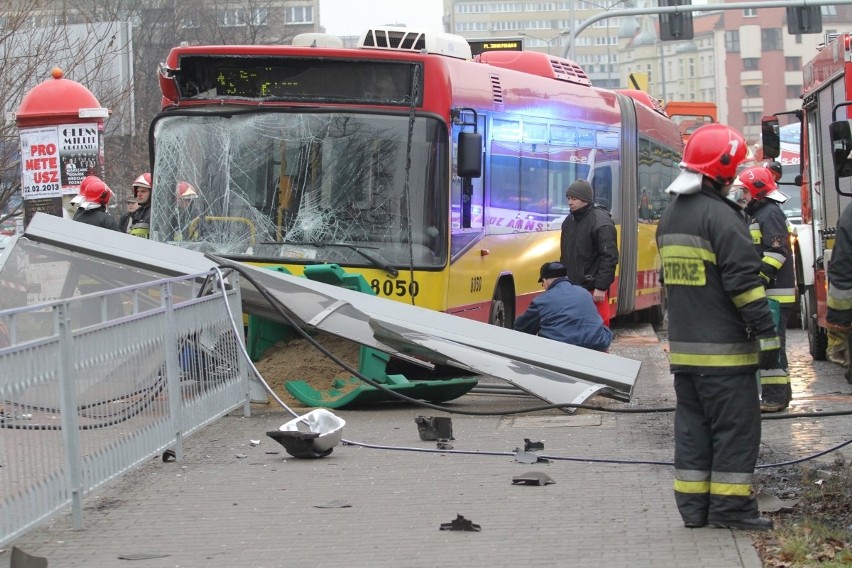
770 234
720 332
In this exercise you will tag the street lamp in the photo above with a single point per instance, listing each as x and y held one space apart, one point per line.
549 42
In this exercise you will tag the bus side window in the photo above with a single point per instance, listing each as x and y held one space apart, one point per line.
602 186
533 183
505 176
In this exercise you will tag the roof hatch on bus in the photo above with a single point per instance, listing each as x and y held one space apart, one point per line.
405 39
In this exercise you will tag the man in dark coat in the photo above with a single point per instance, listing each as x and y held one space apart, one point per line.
588 247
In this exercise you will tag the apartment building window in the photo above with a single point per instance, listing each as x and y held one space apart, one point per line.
792 63
794 91
692 67
752 91
770 40
231 18
259 16
732 41
750 13
471 8
753 118
751 63
300 15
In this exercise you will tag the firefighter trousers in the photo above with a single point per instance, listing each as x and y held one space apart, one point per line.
775 383
717 438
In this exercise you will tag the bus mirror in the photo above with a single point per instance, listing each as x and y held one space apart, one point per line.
470 155
798 180
771 135
841 145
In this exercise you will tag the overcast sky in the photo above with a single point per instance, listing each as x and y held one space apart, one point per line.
352 17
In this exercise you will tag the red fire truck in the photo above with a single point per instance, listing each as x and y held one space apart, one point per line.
826 169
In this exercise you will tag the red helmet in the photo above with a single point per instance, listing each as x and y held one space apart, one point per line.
185 191
760 183
94 192
144 181
715 150
81 192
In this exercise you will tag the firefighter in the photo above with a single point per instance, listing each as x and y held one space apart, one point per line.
720 332
140 220
187 220
770 234
839 316
92 201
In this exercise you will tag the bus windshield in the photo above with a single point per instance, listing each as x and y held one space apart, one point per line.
330 187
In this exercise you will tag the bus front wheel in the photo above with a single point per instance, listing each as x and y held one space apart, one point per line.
502 309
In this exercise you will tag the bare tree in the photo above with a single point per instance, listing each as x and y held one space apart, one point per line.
34 38
35 35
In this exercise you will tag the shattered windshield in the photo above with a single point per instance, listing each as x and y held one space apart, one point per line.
303 187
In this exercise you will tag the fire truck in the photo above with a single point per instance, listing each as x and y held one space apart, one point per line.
825 180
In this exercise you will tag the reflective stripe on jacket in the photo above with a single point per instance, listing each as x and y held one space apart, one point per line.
717 303
770 234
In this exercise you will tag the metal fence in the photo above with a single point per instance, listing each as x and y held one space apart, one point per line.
94 385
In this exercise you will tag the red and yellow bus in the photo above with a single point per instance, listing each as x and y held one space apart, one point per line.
440 178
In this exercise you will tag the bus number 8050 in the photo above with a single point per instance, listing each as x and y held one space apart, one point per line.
395 287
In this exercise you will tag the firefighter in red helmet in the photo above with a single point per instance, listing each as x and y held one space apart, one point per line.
92 201
770 234
720 332
140 220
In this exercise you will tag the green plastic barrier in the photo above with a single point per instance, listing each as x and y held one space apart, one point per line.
263 334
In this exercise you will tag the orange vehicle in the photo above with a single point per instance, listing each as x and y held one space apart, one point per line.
439 178
690 115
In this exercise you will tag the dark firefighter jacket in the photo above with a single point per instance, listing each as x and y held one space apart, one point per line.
97 217
718 315
770 234
140 221
840 273
588 247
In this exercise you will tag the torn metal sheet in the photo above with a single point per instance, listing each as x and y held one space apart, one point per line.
419 332
553 371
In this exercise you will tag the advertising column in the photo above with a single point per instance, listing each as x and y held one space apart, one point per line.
60 124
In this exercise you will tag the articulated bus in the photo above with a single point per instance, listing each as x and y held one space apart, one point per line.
439 177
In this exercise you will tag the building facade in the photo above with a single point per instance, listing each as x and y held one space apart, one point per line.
743 60
545 27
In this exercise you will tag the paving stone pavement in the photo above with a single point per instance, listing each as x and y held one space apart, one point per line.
231 504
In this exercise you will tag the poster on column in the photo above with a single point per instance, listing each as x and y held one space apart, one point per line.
40 186
79 152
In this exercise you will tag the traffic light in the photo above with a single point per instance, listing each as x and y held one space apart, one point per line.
804 20
676 26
